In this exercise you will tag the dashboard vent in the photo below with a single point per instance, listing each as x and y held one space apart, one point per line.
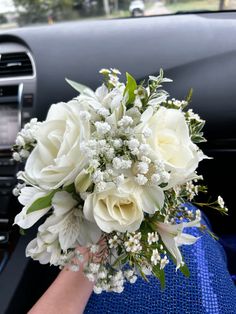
15 64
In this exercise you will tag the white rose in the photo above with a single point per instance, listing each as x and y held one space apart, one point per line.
122 209
171 142
56 160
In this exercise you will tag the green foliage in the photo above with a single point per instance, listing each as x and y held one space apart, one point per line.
77 86
160 274
22 231
189 96
184 270
131 86
38 11
196 131
41 203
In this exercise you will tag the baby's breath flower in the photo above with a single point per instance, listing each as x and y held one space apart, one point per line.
91 277
94 268
117 143
98 176
147 132
221 201
141 179
125 121
120 163
104 112
165 176
133 144
144 149
155 178
142 167
16 156
20 141
15 192
94 163
102 127
146 159
198 214
97 289
24 153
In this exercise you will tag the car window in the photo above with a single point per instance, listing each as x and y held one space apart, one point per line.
18 13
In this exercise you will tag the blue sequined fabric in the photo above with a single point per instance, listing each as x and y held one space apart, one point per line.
208 290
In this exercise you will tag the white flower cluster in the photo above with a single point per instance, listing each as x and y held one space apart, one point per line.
108 281
17 189
108 168
25 140
177 103
114 241
112 76
152 237
133 243
192 190
193 116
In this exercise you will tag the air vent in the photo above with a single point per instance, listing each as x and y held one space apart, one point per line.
15 64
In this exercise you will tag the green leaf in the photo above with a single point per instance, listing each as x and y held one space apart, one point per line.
22 231
78 87
131 86
190 95
41 203
69 188
197 139
185 271
119 260
160 274
199 126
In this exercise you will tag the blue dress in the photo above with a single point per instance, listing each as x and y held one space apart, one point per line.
208 290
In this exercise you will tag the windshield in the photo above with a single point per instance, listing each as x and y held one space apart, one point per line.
18 13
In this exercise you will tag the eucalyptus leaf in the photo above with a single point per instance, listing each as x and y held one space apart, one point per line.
41 203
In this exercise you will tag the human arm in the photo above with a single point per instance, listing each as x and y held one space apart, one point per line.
68 294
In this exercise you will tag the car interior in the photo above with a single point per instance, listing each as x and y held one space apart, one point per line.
196 50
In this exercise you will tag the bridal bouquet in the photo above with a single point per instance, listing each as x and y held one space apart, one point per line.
111 171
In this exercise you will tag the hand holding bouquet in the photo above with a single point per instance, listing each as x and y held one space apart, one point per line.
112 170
